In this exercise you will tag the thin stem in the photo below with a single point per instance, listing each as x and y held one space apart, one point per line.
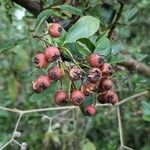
17 124
4 146
132 97
120 126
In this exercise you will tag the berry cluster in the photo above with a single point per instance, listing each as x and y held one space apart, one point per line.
96 79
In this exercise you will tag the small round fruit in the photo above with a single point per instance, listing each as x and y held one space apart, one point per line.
55 30
41 83
106 70
101 99
52 53
95 75
77 97
55 73
60 97
75 73
109 97
88 88
105 85
90 110
95 60
40 61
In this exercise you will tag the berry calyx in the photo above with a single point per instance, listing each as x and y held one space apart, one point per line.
55 73
55 30
41 83
60 97
90 110
106 70
75 73
95 75
95 60
52 53
88 88
40 61
77 97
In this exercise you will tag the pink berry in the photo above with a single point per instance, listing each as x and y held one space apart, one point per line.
95 60
55 30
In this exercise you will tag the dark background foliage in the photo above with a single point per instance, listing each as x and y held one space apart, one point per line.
20 29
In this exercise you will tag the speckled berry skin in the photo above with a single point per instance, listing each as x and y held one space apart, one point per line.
108 97
55 30
90 110
95 75
106 70
105 85
77 97
41 83
60 97
75 73
95 60
55 73
40 61
52 53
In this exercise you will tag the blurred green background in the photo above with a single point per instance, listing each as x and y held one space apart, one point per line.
74 131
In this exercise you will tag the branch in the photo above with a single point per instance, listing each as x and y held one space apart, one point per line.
32 6
113 26
133 64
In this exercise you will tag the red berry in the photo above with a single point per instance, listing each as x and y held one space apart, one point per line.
41 83
95 75
95 60
60 97
77 97
105 85
106 70
75 73
55 30
108 97
40 60
52 53
55 73
90 110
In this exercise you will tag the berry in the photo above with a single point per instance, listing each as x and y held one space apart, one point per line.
55 73
108 97
77 97
75 73
88 88
95 75
55 30
41 83
95 60
105 85
106 70
52 53
40 61
90 110
60 97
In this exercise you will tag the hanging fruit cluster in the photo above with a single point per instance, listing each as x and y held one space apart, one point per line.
95 79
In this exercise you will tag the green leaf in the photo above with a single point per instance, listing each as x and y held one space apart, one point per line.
89 146
116 59
90 45
102 46
82 49
42 17
70 9
116 48
85 27
5 45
